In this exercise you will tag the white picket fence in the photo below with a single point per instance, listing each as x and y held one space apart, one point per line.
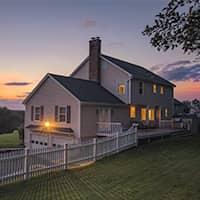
28 163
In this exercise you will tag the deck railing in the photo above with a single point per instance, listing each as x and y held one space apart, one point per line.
172 123
108 128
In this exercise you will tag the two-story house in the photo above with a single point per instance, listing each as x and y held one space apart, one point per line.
101 92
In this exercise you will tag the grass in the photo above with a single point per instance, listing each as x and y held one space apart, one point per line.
10 140
162 170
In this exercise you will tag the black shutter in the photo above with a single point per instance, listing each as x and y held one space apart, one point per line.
41 113
68 114
32 113
56 113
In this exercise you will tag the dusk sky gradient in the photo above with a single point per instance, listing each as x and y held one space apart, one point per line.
37 37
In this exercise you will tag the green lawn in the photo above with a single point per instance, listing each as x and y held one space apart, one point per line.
164 170
9 140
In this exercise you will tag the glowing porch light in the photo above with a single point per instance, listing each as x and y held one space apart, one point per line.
47 124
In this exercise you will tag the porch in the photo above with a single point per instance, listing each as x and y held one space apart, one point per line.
166 128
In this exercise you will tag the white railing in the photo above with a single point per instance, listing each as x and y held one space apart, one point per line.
171 124
166 123
34 162
108 128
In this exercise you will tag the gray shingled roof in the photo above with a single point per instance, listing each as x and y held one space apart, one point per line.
87 91
138 72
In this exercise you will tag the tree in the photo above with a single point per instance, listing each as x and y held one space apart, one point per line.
10 120
178 24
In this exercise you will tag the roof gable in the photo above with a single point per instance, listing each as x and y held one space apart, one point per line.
138 72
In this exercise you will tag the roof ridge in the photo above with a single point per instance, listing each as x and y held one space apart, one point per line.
135 65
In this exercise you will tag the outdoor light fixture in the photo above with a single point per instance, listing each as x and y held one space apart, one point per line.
47 124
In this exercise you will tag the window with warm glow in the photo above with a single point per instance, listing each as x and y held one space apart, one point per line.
161 90
143 114
132 112
121 89
151 114
154 88
166 112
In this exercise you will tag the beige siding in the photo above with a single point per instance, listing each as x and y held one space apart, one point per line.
82 72
111 77
49 95
150 99
89 117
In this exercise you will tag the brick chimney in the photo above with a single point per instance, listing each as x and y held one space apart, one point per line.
94 59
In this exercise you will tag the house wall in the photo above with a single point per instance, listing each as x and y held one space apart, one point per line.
49 95
111 77
83 71
89 117
150 99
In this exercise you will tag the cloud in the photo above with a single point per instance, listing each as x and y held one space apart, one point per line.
89 23
22 96
179 71
180 62
17 83
13 104
184 73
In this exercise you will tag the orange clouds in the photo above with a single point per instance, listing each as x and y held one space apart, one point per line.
13 91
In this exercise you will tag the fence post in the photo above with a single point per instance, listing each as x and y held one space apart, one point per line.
26 164
117 142
66 156
94 148
135 132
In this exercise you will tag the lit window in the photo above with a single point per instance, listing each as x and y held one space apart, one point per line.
132 112
141 88
151 114
121 89
161 90
166 112
154 88
143 114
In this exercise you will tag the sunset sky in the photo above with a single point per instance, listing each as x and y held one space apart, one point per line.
41 36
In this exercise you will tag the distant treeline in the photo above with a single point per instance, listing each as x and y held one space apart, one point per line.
10 120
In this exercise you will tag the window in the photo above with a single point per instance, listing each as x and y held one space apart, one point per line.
39 113
154 88
141 88
161 90
143 114
121 89
132 112
166 112
63 114
151 114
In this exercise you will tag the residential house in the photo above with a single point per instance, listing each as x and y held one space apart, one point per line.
102 94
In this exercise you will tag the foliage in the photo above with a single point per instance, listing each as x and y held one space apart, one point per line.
178 24
10 140
10 120
167 170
